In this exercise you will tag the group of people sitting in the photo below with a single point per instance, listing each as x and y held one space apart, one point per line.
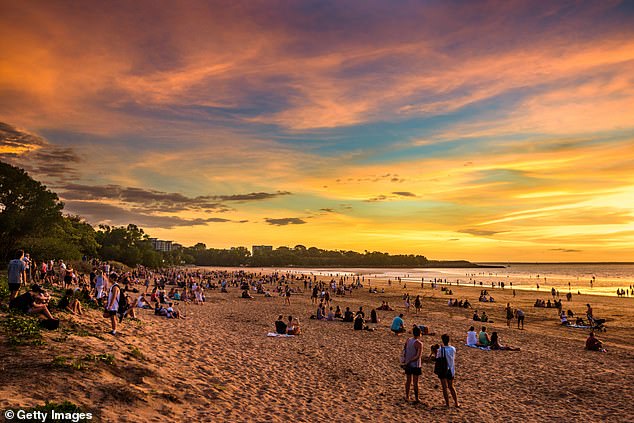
481 318
548 304
376 291
482 340
485 298
456 303
385 306
287 328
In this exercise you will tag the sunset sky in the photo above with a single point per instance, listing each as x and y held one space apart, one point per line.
478 130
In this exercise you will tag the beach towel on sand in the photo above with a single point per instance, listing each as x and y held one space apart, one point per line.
480 348
279 335
578 326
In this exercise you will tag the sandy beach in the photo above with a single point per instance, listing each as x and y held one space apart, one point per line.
219 365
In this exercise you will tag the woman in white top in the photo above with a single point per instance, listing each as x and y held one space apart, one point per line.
472 337
449 353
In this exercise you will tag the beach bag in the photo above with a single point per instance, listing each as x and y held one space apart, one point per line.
441 367
123 303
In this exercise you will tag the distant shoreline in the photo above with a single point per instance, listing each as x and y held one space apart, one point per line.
563 263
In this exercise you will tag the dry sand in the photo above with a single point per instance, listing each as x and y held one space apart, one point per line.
218 364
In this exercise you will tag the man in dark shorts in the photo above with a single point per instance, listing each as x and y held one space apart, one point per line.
16 274
411 359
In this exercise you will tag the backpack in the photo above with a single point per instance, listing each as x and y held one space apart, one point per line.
123 303
441 367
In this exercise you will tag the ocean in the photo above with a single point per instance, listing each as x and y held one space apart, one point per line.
593 279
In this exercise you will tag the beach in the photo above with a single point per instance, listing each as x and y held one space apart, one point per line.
219 365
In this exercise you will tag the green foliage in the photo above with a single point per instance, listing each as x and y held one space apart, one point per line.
4 288
136 353
26 208
22 330
82 363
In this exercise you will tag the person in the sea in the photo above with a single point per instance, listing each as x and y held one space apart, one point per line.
594 344
483 338
398 325
280 326
446 379
496 345
412 363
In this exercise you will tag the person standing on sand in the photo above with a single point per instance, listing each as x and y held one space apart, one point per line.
520 318
112 306
16 274
509 314
411 363
449 353
418 305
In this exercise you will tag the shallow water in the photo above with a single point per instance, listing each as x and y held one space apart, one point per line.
565 277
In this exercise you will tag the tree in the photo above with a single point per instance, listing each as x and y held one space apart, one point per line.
27 208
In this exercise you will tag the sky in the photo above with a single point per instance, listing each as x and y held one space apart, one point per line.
479 130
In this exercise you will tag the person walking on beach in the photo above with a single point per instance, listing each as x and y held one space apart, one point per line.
411 363
16 274
448 353
418 304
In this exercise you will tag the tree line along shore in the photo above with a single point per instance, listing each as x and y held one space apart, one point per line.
32 218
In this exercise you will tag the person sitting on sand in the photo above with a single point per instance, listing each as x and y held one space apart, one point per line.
398 325
564 319
27 303
141 302
69 303
338 314
321 312
280 326
476 317
483 338
484 318
374 318
594 344
331 315
495 344
348 316
293 326
466 304
170 312
472 337
359 322
246 294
